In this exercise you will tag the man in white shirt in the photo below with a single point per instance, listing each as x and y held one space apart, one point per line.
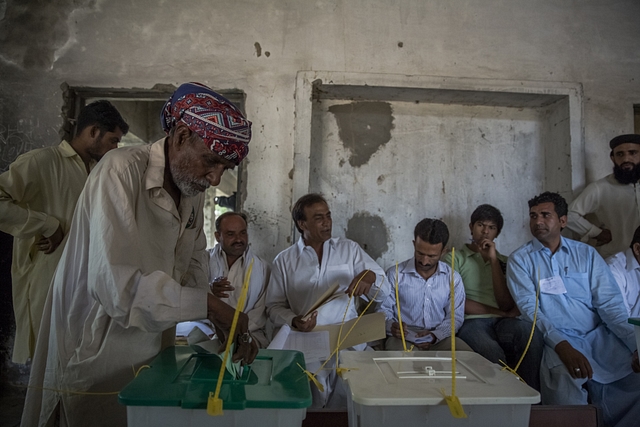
625 268
135 265
303 272
229 261
38 195
424 291
614 199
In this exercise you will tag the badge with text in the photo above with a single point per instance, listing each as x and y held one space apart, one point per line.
552 285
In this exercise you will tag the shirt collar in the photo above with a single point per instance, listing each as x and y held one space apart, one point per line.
154 177
632 263
300 243
410 268
67 150
539 246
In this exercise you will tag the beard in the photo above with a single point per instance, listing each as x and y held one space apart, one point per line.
186 183
626 176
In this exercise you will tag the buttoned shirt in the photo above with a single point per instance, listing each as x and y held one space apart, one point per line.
477 277
37 195
589 312
626 271
298 280
254 305
616 205
424 303
134 267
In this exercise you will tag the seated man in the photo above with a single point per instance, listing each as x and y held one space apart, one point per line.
304 271
581 314
424 292
491 324
228 264
625 268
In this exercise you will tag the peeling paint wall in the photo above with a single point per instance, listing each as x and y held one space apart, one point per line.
259 47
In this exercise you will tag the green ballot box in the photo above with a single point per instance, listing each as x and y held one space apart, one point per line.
635 321
174 391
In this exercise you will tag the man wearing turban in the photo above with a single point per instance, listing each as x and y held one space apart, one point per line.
135 264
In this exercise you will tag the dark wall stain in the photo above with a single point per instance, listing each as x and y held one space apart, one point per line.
33 30
364 127
370 232
258 49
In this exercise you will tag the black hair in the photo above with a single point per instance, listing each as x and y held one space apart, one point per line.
103 115
228 214
559 203
636 238
432 231
297 212
488 213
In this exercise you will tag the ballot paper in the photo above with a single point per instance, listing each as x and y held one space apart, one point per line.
412 336
201 343
314 345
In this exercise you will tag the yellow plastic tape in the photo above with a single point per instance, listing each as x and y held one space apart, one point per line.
404 343
214 403
455 407
514 371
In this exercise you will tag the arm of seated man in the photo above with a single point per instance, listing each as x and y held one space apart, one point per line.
577 364
361 283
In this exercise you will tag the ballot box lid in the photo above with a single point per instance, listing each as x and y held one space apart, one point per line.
392 378
178 376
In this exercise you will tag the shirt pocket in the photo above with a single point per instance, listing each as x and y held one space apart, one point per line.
577 285
341 273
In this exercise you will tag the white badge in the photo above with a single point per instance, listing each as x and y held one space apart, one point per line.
553 285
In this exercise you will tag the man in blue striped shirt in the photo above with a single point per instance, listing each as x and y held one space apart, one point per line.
581 313
424 293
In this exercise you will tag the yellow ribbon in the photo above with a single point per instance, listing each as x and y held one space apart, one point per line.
214 403
455 407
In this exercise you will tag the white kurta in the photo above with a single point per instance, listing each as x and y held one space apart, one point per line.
37 194
134 266
616 205
298 280
626 271
254 306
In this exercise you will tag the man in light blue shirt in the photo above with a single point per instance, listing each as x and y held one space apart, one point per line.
424 291
581 313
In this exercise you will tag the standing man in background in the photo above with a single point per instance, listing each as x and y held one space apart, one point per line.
229 261
38 195
614 199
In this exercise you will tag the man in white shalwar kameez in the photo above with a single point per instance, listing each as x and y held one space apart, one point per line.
303 272
229 261
135 264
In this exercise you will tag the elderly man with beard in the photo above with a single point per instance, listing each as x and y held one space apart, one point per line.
135 264
614 199
228 264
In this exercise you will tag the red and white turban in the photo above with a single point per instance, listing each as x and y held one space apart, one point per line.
220 124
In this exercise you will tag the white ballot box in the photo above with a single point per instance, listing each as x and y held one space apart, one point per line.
394 388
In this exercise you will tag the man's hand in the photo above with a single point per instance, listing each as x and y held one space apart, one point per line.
425 345
221 315
51 243
576 363
368 279
487 249
395 330
305 326
603 238
635 364
220 286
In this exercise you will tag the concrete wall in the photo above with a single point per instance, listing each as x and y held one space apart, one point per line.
259 47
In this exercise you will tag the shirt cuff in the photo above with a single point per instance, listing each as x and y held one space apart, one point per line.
193 303
50 226
593 231
554 338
